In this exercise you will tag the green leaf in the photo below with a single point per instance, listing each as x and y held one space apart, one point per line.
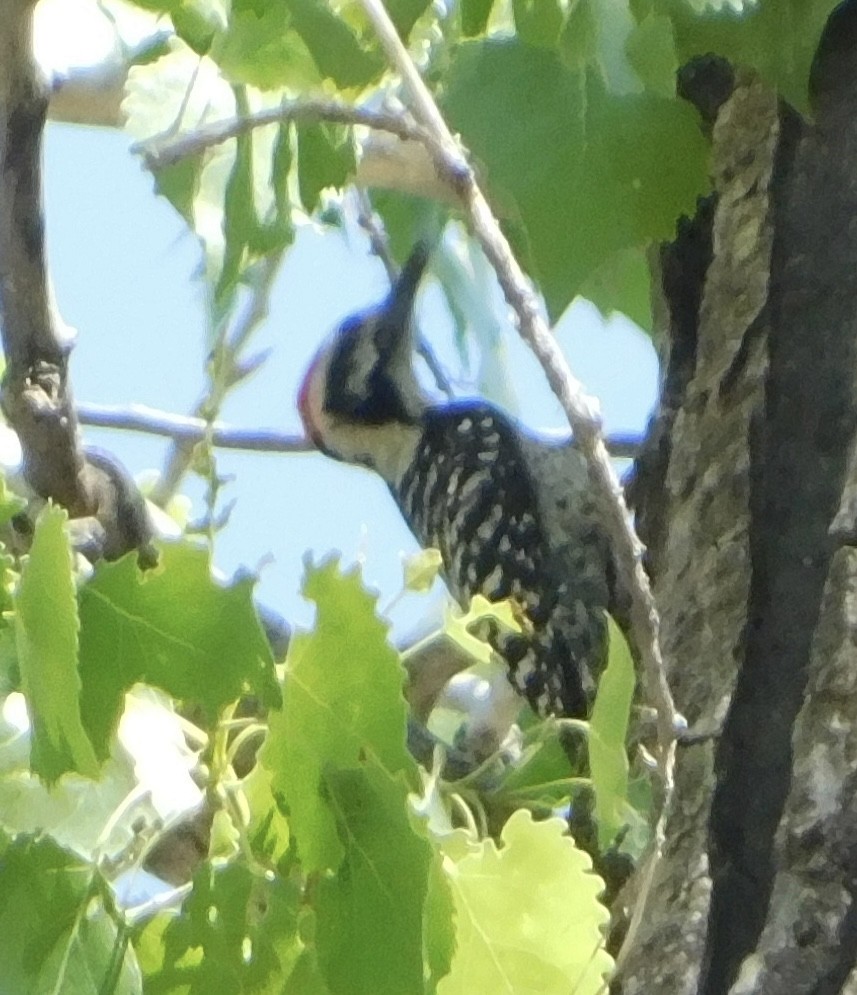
618 190
10 676
375 901
174 627
405 14
240 222
301 43
281 167
542 777
474 16
343 703
614 24
407 219
623 282
57 930
608 731
325 159
467 628
337 51
268 828
438 926
538 22
161 96
196 21
179 183
237 932
46 632
306 979
9 577
10 503
637 833
468 283
778 38
595 36
421 569
528 915
577 43
651 51
261 49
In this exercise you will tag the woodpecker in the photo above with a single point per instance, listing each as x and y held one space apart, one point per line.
510 512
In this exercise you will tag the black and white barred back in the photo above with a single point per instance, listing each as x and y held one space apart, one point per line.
510 511
470 492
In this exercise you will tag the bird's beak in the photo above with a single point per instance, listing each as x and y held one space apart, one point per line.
399 304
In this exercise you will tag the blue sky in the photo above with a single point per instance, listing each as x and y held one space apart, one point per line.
124 270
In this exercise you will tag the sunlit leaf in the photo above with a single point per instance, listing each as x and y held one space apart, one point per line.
325 159
343 704
261 48
337 51
174 627
651 51
539 22
528 916
577 42
462 626
618 190
46 628
608 731
376 900
421 569
237 931
778 38
57 928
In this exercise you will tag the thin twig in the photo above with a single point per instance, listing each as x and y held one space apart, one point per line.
256 310
188 430
159 153
582 411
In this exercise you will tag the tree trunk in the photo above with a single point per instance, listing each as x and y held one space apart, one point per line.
746 496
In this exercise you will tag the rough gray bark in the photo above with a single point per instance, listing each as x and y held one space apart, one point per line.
701 558
737 497
37 397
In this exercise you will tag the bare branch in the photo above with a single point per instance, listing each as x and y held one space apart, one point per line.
581 410
29 328
37 397
158 154
187 430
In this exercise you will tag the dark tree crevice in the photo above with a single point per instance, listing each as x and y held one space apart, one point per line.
746 495
799 446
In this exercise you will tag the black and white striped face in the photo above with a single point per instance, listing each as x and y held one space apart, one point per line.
360 396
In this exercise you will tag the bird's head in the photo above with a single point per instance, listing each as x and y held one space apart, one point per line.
360 400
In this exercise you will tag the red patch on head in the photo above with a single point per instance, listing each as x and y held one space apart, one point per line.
305 404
